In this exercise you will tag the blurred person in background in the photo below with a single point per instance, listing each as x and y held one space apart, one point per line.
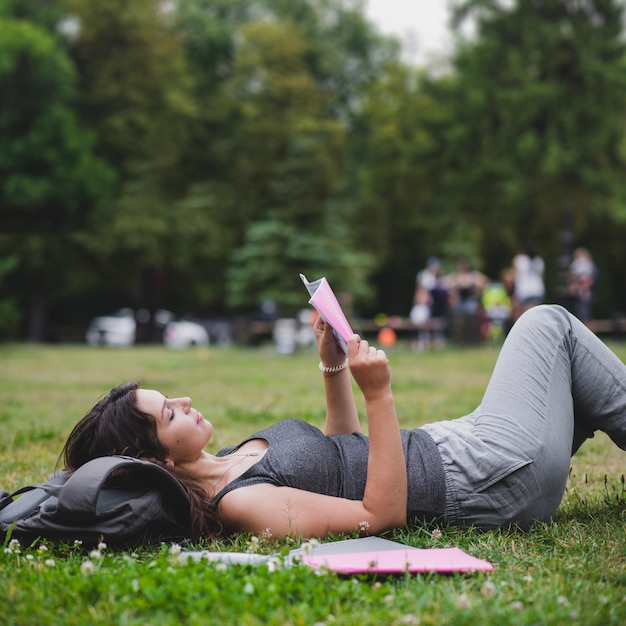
581 276
529 288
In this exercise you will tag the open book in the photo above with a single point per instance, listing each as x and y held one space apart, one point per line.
368 555
325 302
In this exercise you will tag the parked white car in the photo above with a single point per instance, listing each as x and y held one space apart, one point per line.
185 334
118 329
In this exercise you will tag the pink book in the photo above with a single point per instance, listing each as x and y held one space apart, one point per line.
408 560
366 555
325 302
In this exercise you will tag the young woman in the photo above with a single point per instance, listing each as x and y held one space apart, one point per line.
506 463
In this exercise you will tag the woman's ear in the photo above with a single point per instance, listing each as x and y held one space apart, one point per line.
169 462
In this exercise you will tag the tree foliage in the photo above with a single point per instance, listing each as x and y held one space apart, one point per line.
48 173
536 109
197 155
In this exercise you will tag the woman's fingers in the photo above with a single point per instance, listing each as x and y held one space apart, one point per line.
360 350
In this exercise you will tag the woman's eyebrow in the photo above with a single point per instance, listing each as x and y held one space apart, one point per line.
163 409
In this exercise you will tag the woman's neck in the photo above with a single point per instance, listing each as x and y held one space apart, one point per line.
217 472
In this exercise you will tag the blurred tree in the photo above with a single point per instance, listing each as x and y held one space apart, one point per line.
47 171
536 123
49 178
135 87
47 14
274 146
399 218
288 155
137 97
9 312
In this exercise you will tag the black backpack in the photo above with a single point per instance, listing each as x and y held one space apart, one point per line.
120 500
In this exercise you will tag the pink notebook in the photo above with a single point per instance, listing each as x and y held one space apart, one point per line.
367 555
324 300
409 560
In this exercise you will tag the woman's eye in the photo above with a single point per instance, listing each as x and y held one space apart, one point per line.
172 415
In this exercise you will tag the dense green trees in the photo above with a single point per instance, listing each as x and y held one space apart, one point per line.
540 100
48 172
198 154
522 140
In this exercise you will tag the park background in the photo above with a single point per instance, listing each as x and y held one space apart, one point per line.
196 155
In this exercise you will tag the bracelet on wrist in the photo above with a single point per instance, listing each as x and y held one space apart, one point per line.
333 369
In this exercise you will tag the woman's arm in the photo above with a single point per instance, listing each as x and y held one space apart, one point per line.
386 486
341 412
287 511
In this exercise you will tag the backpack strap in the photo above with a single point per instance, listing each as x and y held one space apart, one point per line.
36 495
81 491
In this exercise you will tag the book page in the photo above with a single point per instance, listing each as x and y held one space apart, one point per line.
325 302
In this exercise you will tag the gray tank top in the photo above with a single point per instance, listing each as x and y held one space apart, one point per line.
299 455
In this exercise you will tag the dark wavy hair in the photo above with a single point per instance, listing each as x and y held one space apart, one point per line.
116 426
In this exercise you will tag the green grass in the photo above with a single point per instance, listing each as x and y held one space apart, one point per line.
571 571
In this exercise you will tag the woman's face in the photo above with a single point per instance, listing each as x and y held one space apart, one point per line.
181 429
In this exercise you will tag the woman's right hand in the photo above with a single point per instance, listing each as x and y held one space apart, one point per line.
370 368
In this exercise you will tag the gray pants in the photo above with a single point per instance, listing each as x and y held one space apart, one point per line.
554 384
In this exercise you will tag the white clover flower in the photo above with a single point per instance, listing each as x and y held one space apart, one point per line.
253 545
389 598
248 588
77 543
528 578
102 546
436 534
410 619
30 557
42 548
517 605
364 526
14 547
463 602
87 568
273 564
175 549
95 555
562 601
488 590
221 567
49 563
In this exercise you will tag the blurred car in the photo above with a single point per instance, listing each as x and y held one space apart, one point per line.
185 334
117 329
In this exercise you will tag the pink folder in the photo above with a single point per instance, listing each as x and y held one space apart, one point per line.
408 560
325 302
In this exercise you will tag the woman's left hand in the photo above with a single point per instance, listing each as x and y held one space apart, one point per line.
331 353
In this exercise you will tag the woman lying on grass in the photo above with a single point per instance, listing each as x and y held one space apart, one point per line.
506 463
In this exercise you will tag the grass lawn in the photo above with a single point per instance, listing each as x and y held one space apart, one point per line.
571 571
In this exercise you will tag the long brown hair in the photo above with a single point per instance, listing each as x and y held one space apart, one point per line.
116 426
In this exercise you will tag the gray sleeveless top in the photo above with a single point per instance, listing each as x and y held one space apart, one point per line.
299 455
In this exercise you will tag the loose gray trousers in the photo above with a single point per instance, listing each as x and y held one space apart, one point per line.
553 385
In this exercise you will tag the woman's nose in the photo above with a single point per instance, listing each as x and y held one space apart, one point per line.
185 402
